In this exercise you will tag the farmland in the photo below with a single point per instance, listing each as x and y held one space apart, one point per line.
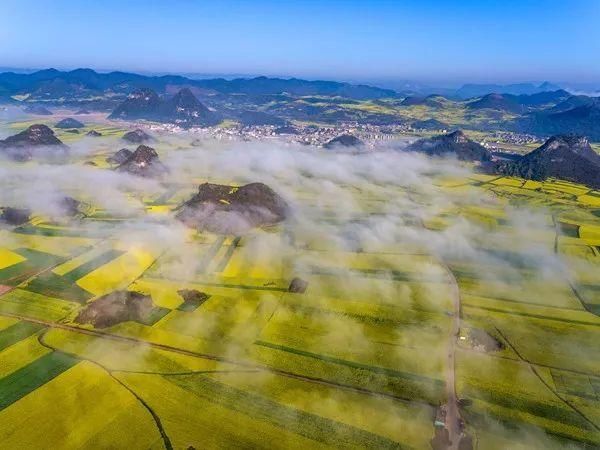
357 360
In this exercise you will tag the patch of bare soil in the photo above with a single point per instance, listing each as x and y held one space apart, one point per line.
117 307
192 298
298 286
480 340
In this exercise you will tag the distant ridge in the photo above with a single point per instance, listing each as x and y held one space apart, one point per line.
50 83
431 100
583 119
80 81
497 102
479 90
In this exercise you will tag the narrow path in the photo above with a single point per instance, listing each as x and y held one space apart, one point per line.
571 283
453 418
155 418
159 425
536 373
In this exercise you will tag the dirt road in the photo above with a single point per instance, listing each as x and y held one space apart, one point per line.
453 418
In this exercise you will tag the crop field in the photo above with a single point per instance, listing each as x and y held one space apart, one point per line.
356 358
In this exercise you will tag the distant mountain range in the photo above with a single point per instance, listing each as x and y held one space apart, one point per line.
48 83
580 116
546 113
478 90
467 91
85 82
541 109
518 103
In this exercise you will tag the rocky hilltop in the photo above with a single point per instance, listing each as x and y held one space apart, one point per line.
140 104
21 146
226 209
568 157
455 143
69 123
183 109
343 140
143 162
120 156
137 136
14 216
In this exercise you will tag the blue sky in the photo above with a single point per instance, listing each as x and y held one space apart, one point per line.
423 40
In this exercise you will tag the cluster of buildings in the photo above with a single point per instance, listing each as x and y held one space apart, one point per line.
508 137
318 135
302 134
306 134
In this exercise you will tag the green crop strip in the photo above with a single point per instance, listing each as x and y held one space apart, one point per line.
550 411
534 316
35 262
355 365
223 263
54 285
92 265
384 274
258 407
209 255
17 332
29 378
53 232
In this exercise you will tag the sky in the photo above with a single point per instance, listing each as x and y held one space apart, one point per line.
427 40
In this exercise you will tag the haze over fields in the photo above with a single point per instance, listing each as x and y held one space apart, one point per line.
373 245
